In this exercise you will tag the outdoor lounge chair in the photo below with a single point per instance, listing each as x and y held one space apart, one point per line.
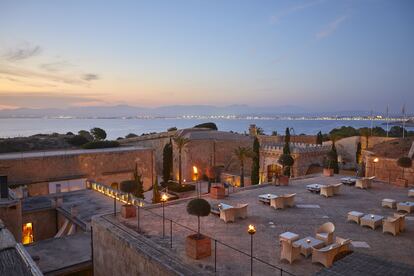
325 232
336 188
391 225
278 202
364 183
228 215
402 220
289 200
327 191
288 251
240 211
344 244
325 255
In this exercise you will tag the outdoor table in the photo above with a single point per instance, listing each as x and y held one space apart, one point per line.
355 216
371 220
224 206
266 198
314 188
348 180
288 236
407 206
306 245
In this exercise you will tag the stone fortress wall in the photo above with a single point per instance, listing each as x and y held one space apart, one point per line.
37 170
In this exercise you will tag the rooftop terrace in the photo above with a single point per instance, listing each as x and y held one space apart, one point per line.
311 211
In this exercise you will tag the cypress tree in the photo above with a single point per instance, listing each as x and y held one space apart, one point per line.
156 196
167 163
319 138
358 153
256 162
140 184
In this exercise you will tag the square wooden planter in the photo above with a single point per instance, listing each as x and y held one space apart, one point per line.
328 172
217 192
128 211
198 248
402 182
283 180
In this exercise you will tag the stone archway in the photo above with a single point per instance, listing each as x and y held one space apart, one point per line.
273 170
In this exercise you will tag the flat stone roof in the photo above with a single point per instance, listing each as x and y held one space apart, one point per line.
61 253
89 203
37 154
215 135
311 211
36 203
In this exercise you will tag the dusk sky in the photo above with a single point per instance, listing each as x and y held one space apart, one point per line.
323 55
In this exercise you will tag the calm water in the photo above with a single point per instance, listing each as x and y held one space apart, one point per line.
121 127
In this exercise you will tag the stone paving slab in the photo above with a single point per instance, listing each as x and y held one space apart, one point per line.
359 264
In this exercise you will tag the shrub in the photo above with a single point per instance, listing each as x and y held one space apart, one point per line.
77 140
176 187
69 133
100 144
128 186
85 134
172 129
98 133
404 162
209 125
131 135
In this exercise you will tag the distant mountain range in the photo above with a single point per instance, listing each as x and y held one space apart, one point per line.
171 111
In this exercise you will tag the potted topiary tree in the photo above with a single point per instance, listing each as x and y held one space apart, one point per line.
405 163
198 246
128 210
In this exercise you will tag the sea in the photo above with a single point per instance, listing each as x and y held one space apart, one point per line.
15 127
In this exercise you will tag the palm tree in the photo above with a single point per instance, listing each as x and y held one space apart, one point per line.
180 142
242 153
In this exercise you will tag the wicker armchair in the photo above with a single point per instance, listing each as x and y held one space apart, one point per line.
325 232
327 191
288 251
336 188
278 202
344 244
325 255
289 200
391 225
240 211
402 220
228 215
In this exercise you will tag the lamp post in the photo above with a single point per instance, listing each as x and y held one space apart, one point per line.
164 198
195 171
375 161
251 230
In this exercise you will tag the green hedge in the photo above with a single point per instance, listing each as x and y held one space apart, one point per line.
101 144
175 187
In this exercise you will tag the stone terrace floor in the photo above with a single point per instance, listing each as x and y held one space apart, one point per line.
269 223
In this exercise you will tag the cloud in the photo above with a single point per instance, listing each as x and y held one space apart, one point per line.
55 66
277 17
90 77
331 27
28 76
22 52
48 99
